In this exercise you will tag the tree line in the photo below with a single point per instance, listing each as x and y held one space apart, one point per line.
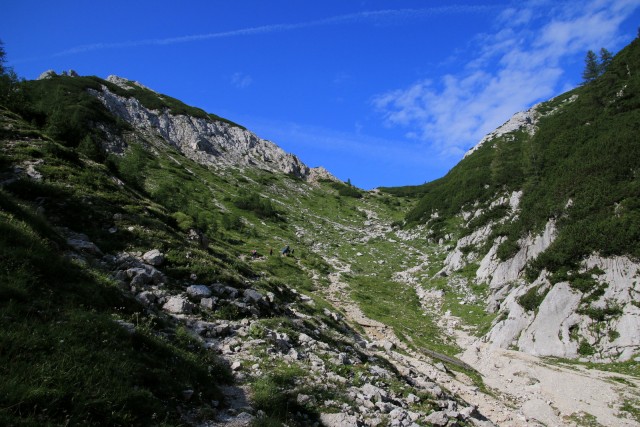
594 66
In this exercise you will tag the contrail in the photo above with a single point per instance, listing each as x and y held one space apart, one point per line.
379 16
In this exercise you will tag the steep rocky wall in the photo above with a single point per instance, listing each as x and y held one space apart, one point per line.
207 141
568 322
564 325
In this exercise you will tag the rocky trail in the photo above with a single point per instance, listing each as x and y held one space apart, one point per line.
540 392
519 389
524 390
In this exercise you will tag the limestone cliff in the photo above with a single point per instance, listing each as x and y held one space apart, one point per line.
596 316
203 139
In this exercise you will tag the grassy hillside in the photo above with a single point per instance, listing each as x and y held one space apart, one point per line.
78 348
581 167
65 358
59 369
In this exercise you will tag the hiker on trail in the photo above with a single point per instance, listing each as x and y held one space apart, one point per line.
286 250
254 254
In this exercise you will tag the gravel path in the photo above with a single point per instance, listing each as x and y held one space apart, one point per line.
526 390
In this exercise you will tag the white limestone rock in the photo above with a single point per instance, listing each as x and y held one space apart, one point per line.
178 305
199 291
338 420
49 74
154 257
548 334
498 272
204 140
526 120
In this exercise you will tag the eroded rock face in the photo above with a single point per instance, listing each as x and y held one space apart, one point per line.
564 321
498 273
568 322
525 120
549 333
622 275
204 140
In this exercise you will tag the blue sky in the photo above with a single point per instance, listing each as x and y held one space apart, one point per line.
384 93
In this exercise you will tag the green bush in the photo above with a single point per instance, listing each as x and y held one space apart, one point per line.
345 190
586 152
261 206
532 299
507 249
133 164
586 349
601 314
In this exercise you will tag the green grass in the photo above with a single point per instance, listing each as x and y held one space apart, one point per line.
631 409
65 360
399 307
629 367
273 393
583 419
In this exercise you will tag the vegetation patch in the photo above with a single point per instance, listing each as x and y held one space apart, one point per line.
600 314
631 409
399 307
532 299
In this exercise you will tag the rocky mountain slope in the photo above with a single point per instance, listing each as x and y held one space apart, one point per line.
145 261
142 280
204 138
544 212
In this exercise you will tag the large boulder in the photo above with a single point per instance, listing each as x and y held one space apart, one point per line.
178 305
153 257
251 296
338 420
199 291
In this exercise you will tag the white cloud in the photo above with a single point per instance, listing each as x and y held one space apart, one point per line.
376 17
518 65
241 80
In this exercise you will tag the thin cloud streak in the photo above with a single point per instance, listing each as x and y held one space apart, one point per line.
513 69
389 16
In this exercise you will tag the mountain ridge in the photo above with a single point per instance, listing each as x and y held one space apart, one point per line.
207 138
546 210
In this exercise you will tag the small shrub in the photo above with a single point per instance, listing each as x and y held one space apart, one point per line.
507 249
345 190
586 349
260 206
272 393
601 314
532 299
613 335
184 221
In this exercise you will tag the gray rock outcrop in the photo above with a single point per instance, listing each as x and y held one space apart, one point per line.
205 140
154 257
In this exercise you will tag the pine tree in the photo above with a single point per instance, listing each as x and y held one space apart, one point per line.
3 57
605 59
10 95
592 67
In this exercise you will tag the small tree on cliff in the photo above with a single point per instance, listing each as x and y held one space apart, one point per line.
591 67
